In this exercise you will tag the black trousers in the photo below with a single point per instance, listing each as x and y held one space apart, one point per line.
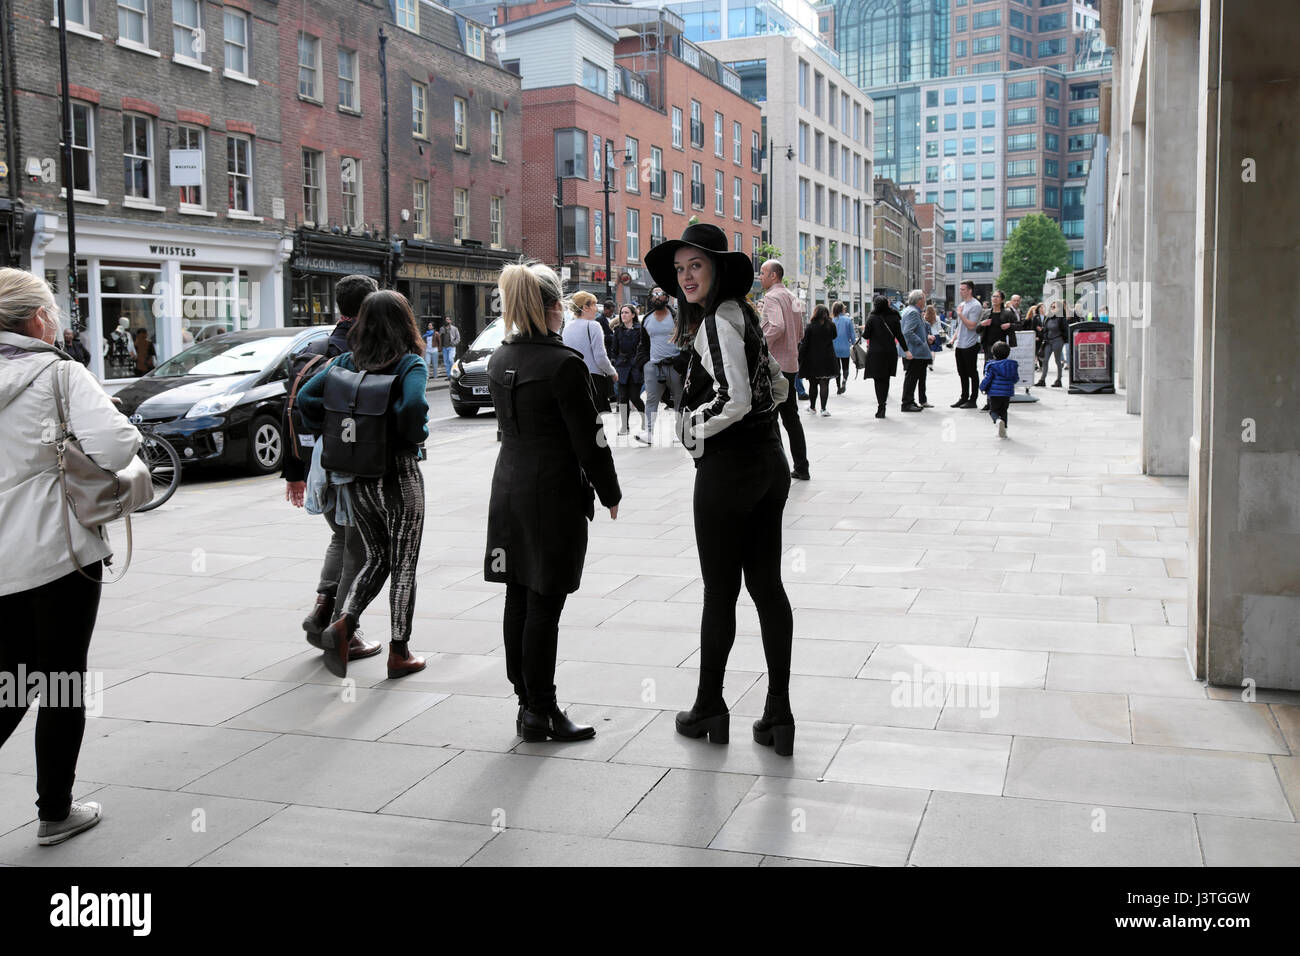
740 495
970 382
532 634
47 635
843 377
914 378
817 386
882 388
793 426
998 405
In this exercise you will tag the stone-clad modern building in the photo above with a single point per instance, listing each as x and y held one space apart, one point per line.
897 261
1204 117
176 173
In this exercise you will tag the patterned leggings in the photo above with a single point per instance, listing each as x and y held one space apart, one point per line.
389 512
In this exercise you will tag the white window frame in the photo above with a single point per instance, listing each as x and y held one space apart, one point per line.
195 33
718 125
127 9
181 136
88 147
496 221
318 168
460 122
230 14
737 135
656 226
406 13
735 199
73 23
236 175
498 134
679 187
633 235
677 127
755 202
632 173
356 194
317 93
419 110
719 191
354 103
128 197
459 215
420 208
656 170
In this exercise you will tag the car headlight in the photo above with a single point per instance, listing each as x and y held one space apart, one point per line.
455 369
215 405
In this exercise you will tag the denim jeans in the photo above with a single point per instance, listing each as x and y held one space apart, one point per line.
448 356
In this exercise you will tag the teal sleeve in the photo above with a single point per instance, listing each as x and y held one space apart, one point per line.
412 408
311 399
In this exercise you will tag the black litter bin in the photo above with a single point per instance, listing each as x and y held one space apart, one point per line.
1092 357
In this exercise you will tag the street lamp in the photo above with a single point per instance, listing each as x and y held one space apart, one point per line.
771 187
608 179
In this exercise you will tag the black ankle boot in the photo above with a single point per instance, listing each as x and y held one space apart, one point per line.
880 411
709 718
776 726
539 724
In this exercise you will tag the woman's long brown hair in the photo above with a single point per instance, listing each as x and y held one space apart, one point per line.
385 331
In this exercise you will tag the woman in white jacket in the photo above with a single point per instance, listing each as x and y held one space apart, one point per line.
48 606
730 399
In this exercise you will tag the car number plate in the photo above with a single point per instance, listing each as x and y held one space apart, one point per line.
480 389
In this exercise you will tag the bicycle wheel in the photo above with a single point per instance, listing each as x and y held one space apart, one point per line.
164 466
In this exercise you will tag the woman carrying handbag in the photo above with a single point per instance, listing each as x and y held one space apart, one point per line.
50 598
585 335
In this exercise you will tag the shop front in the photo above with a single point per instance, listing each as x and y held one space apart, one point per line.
452 281
319 260
147 291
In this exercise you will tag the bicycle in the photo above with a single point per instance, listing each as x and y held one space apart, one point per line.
163 462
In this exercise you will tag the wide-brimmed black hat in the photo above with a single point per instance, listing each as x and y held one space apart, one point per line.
737 272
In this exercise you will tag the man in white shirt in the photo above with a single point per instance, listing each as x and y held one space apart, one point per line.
968 346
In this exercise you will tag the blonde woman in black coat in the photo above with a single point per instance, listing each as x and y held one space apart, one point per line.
553 462
884 334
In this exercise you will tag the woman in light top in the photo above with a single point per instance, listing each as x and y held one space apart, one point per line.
585 335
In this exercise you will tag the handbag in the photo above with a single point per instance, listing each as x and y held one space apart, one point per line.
93 494
859 355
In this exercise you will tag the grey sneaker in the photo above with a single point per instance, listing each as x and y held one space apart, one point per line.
1002 428
83 817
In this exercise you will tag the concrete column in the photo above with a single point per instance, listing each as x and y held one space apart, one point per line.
1131 303
1169 241
1249 554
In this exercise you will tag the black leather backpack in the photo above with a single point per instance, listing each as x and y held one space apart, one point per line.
356 422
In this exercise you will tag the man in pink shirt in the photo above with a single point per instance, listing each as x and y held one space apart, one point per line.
784 330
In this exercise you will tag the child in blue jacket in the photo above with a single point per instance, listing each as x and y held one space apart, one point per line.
1000 379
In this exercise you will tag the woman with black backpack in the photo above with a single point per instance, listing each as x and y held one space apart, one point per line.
370 406
730 398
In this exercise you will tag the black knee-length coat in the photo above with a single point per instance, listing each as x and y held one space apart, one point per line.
552 463
817 352
882 331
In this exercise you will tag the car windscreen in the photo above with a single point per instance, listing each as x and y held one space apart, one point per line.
490 337
220 355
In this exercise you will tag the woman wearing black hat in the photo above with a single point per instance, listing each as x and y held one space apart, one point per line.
730 398
882 330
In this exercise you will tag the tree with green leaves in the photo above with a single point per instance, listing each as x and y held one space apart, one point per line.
836 275
1035 248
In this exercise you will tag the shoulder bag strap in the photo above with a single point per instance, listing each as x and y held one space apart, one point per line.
64 413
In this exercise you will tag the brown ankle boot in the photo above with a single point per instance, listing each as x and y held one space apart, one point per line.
318 619
336 641
359 648
401 666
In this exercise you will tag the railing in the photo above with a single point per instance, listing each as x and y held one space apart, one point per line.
697 195
755 158
697 134
658 179
757 210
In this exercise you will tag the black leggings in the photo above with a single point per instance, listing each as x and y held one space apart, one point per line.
844 372
532 634
882 389
629 394
816 386
47 635
740 495
970 382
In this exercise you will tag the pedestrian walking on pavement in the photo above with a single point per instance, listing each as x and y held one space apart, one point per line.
448 339
49 597
817 361
430 344
1000 377
662 356
585 336
388 507
845 336
553 463
626 336
734 387
884 335
968 345
784 329
332 500
1056 332
916 333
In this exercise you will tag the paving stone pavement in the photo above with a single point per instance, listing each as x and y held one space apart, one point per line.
988 669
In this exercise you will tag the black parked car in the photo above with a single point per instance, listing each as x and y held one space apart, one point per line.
468 383
221 401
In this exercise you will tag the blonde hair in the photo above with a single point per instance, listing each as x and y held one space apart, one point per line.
930 311
528 291
581 300
21 295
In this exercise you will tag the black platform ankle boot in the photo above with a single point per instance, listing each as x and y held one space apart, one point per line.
776 726
539 724
711 718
